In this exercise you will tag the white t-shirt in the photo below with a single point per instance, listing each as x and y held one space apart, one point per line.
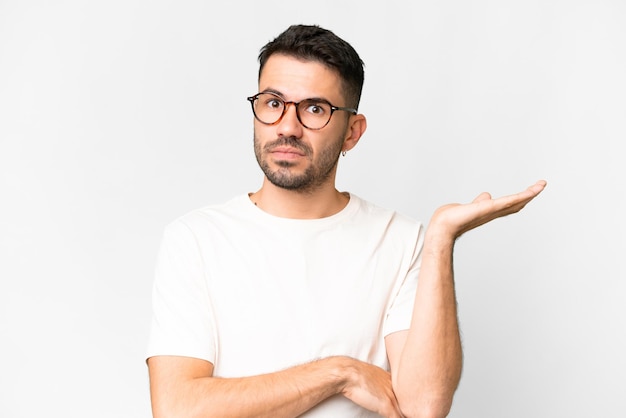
254 293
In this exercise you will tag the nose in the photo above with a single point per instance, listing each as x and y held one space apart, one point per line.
289 125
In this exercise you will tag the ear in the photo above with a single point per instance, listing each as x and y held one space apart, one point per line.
357 124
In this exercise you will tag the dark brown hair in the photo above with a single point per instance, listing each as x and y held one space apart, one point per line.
313 43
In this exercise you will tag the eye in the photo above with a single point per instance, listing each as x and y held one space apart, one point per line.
316 108
273 103
269 102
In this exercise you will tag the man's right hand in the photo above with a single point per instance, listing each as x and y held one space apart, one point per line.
370 387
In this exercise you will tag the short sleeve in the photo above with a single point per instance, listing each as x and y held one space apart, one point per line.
401 310
182 320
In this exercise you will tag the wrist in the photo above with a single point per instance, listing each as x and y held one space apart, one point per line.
343 372
438 240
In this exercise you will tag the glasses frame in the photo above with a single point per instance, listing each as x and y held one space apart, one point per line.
286 104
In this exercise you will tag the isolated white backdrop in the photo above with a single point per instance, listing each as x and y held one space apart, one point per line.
118 116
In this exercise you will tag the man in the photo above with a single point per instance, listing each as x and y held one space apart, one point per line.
298 299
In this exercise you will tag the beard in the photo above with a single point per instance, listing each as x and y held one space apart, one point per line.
316 173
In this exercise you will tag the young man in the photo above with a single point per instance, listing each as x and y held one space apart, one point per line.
298 299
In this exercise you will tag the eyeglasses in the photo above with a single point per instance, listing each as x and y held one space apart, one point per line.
269 109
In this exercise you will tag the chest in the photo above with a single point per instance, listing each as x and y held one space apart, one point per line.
289 302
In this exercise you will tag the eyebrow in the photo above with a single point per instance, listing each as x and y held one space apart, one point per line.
282 96
276 92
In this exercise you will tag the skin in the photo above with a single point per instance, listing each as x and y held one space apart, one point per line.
304 152
276 159
425 360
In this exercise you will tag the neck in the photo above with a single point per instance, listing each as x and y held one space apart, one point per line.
320 203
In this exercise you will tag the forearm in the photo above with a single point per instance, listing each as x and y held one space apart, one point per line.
287 393
429 369
428 358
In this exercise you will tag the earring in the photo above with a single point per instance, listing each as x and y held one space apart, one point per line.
343 153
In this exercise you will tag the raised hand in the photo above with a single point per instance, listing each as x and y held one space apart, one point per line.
455 219
427 359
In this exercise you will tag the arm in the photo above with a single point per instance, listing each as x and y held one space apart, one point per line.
184 387
426 360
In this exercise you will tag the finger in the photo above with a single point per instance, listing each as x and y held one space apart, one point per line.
539 186
515 199
522 198
536 188
505 205
482 196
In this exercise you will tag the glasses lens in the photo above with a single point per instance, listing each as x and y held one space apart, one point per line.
314 114
268 108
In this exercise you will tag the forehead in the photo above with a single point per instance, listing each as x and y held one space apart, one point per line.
297 79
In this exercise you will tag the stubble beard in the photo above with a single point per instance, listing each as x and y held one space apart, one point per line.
313 177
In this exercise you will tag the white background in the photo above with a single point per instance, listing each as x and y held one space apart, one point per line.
118 116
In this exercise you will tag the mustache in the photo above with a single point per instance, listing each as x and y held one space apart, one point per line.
289 141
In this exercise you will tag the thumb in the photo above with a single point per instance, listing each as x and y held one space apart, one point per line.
481 197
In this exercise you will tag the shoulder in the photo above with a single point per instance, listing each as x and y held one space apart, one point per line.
389 226
208 219
234 207
374 211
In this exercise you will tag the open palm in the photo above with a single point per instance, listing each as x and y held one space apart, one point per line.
457 218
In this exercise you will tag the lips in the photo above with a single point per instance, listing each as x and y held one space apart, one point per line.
287 151
287 148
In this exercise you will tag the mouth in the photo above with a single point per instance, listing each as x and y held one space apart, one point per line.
286 153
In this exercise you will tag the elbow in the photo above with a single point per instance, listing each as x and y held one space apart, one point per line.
424 411
415 405
171 413
162 411
425 399
169 409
